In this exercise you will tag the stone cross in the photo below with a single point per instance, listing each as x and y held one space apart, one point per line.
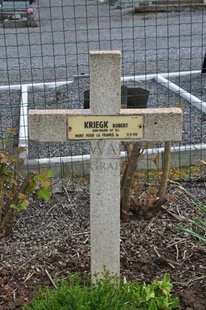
105 124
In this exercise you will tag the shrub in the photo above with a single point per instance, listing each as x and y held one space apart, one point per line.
109 293
15 190
134 151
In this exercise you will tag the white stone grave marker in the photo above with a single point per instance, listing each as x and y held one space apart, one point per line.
105 124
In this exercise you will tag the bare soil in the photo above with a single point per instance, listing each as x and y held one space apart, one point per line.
52 239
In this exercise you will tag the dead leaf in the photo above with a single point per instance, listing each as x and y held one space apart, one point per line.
7 288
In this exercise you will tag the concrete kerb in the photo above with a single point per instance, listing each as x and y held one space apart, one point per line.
173 6
196 102
183 156
23 127
78 165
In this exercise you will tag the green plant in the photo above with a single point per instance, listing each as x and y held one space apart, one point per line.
77 293
15 190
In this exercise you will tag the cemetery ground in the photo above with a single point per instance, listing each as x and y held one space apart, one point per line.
53 239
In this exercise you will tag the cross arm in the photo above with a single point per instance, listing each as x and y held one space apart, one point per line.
162 124
50 125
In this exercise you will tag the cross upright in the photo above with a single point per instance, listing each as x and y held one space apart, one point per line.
105 125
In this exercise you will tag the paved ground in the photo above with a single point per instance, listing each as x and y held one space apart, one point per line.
68 29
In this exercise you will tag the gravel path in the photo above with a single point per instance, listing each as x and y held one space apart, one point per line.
68 29
194 84
9 111
58 49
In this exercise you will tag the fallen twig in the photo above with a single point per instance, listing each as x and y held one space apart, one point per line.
14 294
30 274
195 200
177 217
194 280
82 233
177 255
156 252
67 194
51 280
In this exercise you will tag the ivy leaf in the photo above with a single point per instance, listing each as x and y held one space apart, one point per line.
44 194
13 206
23 205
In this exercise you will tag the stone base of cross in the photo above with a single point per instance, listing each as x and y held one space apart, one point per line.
105 125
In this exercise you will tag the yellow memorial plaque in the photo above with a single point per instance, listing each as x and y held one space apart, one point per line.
105 127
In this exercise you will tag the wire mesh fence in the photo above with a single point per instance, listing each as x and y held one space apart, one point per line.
45 64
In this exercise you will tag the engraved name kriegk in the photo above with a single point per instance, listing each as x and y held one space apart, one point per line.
105 127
